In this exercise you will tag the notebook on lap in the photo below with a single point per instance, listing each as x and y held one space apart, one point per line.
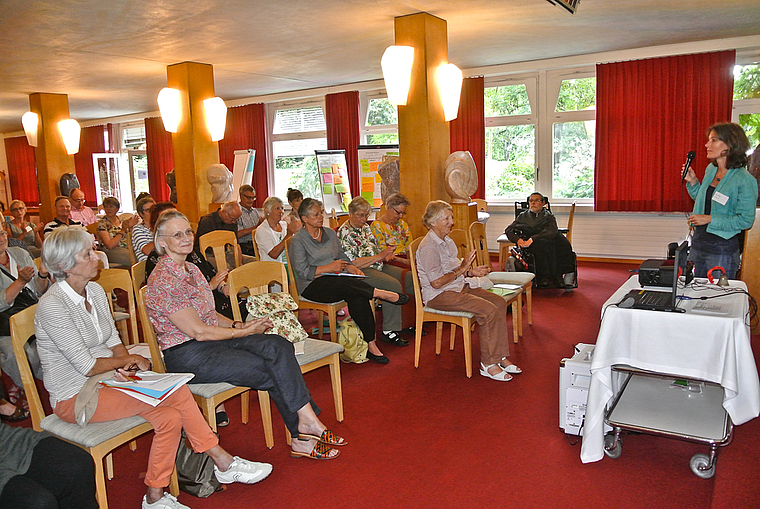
654 300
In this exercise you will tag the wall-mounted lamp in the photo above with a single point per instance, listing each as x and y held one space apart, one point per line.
70 131
216 117
170 108
397 72
449 79
31 121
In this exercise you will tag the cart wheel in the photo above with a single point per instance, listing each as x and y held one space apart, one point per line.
613 448
699 465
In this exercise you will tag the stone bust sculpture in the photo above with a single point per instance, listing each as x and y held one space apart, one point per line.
460 177
171 181
220 179
390 173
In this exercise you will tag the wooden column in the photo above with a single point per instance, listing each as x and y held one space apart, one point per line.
50 154
422 132
193 149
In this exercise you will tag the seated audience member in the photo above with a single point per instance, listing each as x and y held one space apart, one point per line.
249 219
391 230
62 216
79 345
443 280
274 230
196 339
20 287
142 236
79 211
224 218
216 280
536 230
295 197
315 253
10 413
360 246
19 228
41 471
112 233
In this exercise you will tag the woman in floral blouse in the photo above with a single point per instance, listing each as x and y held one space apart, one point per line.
391 230
112 233
360 246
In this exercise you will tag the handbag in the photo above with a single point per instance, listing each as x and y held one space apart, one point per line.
195 471
23 300
279 308
351 338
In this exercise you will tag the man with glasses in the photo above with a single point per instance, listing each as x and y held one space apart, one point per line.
224 218
249 220
79 211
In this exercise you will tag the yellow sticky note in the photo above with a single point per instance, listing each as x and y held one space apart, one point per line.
377 178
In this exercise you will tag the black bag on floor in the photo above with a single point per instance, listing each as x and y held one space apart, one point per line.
195 471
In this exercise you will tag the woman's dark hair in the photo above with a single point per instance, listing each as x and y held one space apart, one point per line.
738 145
157 209
306 205
293 194
111 201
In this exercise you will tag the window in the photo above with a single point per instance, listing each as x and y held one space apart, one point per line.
747 101
297 131
573 136
510 138
133 147
380 119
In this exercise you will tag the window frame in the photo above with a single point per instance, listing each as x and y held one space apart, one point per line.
369 130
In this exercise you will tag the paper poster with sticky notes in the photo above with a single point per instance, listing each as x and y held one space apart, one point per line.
334 179
370 157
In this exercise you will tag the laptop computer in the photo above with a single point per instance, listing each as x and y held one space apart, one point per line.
654 300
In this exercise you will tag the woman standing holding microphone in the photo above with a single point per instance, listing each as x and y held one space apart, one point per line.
724 203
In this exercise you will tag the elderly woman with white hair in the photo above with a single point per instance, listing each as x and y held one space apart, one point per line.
78 345
444 286
274 230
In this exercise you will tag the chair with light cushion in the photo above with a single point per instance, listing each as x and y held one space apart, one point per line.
110 280
99 438
425 313
524 279
207 395
331 308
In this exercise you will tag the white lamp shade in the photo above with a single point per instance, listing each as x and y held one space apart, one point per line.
70 131
216 117
169 106
30 120
397 73
449 79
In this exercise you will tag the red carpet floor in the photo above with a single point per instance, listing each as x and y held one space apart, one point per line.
430 437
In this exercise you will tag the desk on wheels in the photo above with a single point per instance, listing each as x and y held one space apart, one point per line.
710 347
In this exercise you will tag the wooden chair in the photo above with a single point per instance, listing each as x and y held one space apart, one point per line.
570 220
460 238
331 308
524 279
92 227
131 248
138 276
218 241
99 438
424 313
342 219
255 246
257 277
333 220
110 280
482 204
207 395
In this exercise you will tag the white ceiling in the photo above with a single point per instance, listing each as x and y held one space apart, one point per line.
110 57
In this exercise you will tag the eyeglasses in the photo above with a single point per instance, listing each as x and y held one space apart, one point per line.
180 235
402 214
248 196
16 209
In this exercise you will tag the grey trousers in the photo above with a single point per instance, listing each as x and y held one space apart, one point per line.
383 281
8 360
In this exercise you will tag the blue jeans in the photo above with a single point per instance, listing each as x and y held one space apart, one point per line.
264 362
706 261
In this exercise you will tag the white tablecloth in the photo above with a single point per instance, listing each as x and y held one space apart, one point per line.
715 348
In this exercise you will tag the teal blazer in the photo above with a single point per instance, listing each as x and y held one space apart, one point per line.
739 211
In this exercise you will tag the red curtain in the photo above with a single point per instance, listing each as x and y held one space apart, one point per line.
246 128
468 130
160 156
22 171
650 114
342 119
91 141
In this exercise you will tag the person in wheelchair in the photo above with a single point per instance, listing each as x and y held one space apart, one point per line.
535 232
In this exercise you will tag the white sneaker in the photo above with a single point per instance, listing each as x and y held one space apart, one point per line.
243 471
165 502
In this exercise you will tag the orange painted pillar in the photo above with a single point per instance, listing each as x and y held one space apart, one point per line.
194 151
50 154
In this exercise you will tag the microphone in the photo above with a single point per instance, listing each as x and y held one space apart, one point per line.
689 158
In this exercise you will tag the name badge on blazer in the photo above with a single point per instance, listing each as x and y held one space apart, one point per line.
720 198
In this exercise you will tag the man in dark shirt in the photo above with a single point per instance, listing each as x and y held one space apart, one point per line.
536 231
224 218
